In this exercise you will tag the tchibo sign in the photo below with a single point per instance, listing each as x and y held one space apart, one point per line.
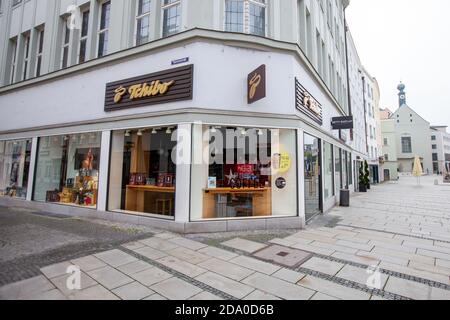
156 88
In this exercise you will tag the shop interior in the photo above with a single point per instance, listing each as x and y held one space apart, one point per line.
15 159
249 177
146 182
67 170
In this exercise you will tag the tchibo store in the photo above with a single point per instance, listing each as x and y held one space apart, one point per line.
199 137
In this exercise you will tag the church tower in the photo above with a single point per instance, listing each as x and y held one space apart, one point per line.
401 95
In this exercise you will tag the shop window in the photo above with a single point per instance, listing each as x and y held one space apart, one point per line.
143 172
243 173
349 168
328 171
344 169
67 169
337 169
313 201
14 168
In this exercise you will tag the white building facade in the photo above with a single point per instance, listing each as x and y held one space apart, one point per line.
180 77
440 148
413 137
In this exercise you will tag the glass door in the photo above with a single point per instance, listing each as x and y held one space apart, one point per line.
313 181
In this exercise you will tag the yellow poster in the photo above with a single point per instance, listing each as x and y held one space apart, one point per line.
285 162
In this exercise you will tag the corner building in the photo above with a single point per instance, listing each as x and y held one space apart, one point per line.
108 106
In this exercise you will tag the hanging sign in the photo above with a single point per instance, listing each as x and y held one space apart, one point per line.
342 123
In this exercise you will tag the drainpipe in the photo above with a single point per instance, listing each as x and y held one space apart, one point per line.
363 78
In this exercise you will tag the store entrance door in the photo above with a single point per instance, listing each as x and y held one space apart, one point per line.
313 180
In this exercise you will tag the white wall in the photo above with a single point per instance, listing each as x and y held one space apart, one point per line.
216 86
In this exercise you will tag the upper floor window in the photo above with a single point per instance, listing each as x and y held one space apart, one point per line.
83 36
143 22
40 47
171 17
26 56
13 44
248 16
406 145
103 31
65 49
386 141
433 138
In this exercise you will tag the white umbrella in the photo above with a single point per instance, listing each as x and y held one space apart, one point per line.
417 170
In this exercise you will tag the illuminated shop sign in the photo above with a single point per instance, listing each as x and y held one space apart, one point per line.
307 104
156 88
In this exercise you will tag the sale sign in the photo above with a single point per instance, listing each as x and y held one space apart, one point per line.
245 169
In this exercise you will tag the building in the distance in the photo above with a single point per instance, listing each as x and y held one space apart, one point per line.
389 149
371 102
412 137
440 148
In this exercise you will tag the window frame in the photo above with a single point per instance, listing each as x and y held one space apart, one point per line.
83 38
246 16
65 45
26 55
39 51
165 7
403 144
13 60
136 22
103 31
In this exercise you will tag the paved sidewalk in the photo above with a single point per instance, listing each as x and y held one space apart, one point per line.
393 243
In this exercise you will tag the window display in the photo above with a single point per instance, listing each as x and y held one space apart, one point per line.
312 176
344 169
143 174
328 170
243 172
14 168
67 169
338 169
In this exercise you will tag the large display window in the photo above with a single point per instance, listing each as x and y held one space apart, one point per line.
344 169
313 188
14 168
143 171
243 172
328 170
338 181
67 169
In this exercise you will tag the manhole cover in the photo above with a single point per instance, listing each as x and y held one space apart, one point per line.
283 256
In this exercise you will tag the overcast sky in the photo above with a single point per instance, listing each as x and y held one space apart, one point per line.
409 41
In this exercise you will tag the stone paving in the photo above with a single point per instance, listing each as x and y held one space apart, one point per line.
393 243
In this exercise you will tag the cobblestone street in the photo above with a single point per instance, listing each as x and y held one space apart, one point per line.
392 243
